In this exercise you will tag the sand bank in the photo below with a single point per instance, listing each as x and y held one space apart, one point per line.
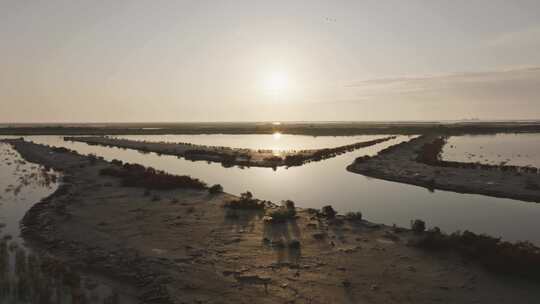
400 163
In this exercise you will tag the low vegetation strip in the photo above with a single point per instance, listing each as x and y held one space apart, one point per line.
229 156
134 175
418 162
520 258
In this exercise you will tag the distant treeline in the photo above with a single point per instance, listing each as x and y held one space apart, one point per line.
306 128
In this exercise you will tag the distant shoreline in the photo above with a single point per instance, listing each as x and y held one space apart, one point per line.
294 128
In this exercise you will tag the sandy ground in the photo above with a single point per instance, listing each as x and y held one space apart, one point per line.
400 165
240 157
181 247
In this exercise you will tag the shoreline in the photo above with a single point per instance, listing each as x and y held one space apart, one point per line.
400 164
183 245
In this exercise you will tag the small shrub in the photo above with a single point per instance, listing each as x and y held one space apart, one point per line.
328 212
282 214
287 211
246 201
215 189
289 204
353 216
294 244
246 195
418 226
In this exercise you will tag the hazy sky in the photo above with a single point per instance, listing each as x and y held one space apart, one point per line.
97 60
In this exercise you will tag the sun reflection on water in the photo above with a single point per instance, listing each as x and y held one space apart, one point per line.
276 149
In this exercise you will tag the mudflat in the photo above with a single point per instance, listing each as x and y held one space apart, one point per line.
184 246
400 164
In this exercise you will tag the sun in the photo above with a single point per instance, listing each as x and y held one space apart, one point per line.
276 83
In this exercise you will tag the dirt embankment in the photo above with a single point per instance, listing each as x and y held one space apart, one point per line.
183 246
401 163
229 156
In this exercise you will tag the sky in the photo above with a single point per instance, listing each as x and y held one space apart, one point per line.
167 61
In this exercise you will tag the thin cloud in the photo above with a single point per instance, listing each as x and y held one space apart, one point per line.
412 84
465 76
519 38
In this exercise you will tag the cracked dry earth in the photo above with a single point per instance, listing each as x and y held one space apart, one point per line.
182 246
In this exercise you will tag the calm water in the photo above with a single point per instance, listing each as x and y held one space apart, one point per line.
22 275
327 182
511 149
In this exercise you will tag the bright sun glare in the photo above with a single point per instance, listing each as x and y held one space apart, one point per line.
276 83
